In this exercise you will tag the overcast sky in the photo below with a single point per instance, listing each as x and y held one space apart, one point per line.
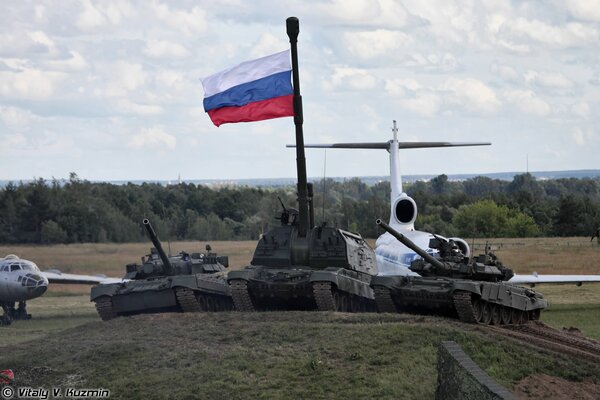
111 89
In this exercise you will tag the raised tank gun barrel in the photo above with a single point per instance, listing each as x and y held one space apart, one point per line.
168 268
411 245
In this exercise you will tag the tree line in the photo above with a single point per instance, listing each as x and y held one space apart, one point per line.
81 211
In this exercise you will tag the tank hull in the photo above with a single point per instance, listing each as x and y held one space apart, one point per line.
183 293
325 289
471 301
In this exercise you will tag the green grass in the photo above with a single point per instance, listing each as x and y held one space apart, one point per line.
584 317
270 356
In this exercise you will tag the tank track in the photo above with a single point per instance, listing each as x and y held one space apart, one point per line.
384 301
104 307
323 294
241 296
187 300
464 307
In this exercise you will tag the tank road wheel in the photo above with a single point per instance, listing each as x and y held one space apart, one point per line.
477 308
534 315
354 304
518 317
326 297
342 303
239 294
383 300
104 307
186 298
211 304
486 315
464 306
201 302
496 317
505 315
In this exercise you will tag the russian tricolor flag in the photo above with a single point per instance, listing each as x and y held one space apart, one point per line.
251 91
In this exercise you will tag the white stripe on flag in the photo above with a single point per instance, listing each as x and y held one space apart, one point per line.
246 72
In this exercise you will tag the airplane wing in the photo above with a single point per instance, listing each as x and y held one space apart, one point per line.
536 278
56 276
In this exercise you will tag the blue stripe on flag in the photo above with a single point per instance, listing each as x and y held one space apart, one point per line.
275 85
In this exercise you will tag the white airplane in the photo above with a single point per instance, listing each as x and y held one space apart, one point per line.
22 280
394 258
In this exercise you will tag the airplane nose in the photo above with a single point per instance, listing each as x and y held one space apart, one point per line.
40 290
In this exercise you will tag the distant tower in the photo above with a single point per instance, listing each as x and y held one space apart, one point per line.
179 178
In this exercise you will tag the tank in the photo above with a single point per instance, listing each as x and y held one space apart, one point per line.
327 269
298 265
475 290
183 282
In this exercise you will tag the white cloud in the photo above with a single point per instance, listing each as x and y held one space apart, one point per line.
527 102
369 44
188 23
548 79
41 38
471 94
10 141
32 84
570 34
124 77
582 137
426 104
584 9
130 107
153 138
432 62
75 62
165 49
101 14
399 86
351 78
387 13
268 44
506 72
581 109
15 116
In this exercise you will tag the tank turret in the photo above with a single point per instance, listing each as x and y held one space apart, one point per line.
476 290
452 262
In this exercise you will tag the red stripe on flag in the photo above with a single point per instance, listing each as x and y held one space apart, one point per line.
276 107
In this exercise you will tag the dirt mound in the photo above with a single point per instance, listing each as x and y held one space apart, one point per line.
541 386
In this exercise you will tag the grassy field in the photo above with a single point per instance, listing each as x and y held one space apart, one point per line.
274 355
270 355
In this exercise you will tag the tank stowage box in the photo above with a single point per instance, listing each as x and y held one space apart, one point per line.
185 282
475 290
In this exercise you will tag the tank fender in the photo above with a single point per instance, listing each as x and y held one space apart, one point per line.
389 282
469 286
342 282
186 281
244 274
104 290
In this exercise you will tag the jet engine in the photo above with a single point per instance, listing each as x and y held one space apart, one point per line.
404 210
462 245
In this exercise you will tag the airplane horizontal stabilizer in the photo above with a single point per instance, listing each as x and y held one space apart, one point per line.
386 145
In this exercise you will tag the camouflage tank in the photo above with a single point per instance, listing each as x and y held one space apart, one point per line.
184 282
475 290
298 265
326 269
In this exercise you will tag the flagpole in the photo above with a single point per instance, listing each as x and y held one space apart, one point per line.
293 29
